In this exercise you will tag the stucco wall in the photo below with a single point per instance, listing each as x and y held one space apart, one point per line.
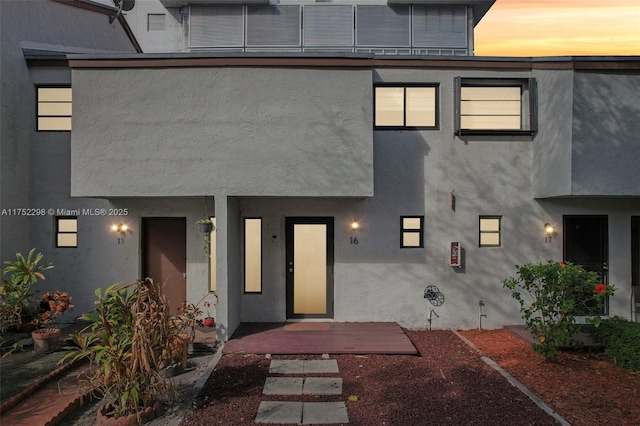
606 133
552 146
234 131
43 25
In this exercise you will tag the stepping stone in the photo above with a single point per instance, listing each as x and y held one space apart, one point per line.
320 366
322 386
279 412
286 366
283 386
324 413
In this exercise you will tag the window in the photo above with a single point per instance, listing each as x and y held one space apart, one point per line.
66 231
490 231
490 106
406 107
253 255
54 108
212 257
155 22
412 231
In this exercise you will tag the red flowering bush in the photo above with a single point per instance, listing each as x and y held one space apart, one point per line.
551 295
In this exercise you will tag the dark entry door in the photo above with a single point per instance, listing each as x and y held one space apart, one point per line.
309 268
164 256
586 244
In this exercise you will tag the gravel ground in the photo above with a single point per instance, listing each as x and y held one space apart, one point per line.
447 384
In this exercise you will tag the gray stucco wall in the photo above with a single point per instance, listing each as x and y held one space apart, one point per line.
552 146
43 25
606 130
234 131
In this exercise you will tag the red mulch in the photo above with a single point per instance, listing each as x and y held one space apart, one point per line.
582 387
448 384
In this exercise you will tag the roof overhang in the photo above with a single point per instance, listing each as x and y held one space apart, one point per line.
480 7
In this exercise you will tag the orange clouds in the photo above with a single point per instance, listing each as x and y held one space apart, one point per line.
559 27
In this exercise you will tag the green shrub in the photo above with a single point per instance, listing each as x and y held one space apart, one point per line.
621 339
551 295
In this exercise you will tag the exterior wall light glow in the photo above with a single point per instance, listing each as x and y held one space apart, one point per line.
355 225
120 228
549 229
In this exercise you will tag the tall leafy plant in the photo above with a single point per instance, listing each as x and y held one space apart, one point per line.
551 295
132 336
18 288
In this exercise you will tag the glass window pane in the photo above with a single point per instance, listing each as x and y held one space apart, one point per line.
389 106
490 239
490 93
67 240
411 223
490 122
310 269
54 123
421 106
491 107
67 225
212 257
411 239
54 94
253 255
54 108
489 224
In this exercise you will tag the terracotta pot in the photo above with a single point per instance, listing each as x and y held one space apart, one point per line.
146 415
209 322
45 340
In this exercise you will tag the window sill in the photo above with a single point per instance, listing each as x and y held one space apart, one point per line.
488 132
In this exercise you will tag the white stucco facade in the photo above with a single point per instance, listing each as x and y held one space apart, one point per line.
292 135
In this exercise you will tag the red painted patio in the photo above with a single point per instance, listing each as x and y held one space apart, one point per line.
320 338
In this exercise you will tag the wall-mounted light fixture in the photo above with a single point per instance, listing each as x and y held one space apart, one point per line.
120 228
355 225
549 231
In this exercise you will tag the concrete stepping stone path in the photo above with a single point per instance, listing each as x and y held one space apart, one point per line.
296 412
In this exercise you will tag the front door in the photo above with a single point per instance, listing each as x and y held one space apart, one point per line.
309 268
586 244
164 256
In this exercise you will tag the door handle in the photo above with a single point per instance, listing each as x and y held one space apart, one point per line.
184 275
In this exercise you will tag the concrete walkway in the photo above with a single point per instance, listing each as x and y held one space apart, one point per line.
296 412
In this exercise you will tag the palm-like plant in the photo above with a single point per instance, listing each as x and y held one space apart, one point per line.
130 339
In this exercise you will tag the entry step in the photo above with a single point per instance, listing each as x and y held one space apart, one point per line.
298 366
302 386
302 413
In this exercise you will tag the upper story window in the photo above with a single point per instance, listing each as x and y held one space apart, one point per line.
67 231
406 106
54 109
494 106
411 231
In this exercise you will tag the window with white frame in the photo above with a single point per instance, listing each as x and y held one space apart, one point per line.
67 231
403 106
411 231
54 108
490 231
495 106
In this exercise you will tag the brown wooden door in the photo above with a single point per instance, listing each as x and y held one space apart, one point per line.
164 256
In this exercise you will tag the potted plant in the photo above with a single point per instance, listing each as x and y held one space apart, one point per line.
209 321
17 290
206 227
131 337
52 308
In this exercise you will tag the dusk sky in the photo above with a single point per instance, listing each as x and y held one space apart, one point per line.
559 27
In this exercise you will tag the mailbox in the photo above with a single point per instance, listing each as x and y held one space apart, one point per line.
455 255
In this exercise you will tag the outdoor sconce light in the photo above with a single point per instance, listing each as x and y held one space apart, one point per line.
550 231
355 225
120 228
